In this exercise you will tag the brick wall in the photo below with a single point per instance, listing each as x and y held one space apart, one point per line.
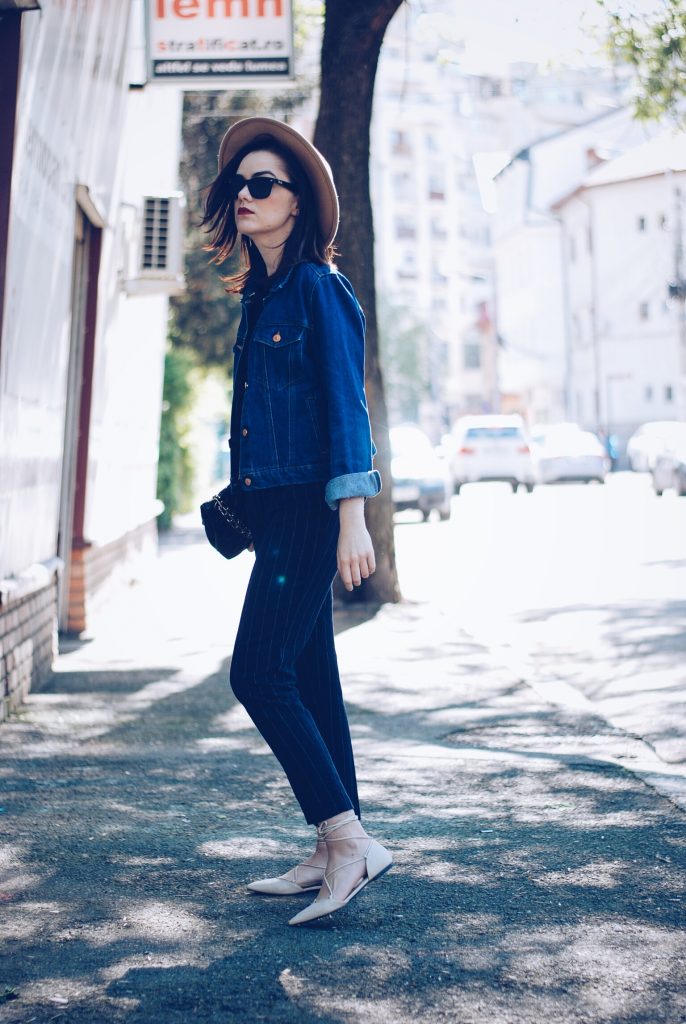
28 608
28 639
96 570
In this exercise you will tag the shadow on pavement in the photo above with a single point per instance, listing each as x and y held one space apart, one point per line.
533 880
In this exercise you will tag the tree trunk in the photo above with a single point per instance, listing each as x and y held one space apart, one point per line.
353 34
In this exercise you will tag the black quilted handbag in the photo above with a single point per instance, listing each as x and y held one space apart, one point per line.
224 528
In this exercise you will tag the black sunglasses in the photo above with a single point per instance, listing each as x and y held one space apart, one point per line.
259 188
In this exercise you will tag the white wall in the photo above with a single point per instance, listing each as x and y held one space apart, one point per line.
127 386
78 123
638 355
69 113
548 357
531 321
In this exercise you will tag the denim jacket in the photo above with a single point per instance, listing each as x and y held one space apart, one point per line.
304 415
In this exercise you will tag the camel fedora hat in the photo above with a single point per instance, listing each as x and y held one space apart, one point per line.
311 160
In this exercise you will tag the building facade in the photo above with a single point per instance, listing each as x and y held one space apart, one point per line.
439 135
623 232
567 273
86 258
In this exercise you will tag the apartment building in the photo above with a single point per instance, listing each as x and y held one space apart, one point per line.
623 235
438 138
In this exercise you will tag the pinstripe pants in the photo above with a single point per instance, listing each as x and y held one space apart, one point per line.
284 669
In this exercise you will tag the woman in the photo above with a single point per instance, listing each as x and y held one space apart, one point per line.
301 465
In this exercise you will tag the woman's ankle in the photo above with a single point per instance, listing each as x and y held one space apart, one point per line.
340 827
337 819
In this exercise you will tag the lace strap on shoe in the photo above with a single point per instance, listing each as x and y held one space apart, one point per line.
346 864
324 829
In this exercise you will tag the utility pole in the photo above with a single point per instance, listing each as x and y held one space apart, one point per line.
676 289
595 334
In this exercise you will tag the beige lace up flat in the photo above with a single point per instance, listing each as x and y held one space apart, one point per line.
377 862
295 884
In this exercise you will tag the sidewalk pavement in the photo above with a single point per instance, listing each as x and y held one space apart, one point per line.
539 871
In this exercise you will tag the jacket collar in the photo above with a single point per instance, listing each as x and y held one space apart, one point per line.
276 286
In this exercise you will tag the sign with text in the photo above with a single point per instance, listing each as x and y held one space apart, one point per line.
219 42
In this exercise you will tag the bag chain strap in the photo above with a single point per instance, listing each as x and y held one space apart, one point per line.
231 517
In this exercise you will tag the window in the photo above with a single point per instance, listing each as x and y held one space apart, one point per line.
437 274
649 393
403 186
641 223
400 144
490 433
405 228
489 87
472 356
439 232
663 221
644 311
408 267
436 183
669 393
473 403
572 249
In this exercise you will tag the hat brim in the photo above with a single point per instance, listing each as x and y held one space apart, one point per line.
313 164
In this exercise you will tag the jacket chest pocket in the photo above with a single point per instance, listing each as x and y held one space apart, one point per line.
279 354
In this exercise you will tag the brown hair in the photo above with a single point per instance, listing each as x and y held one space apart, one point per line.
305 242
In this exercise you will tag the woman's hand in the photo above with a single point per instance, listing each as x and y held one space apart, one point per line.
355 554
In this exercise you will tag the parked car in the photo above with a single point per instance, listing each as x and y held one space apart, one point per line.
669 465
648 441
564 451
420 478
491 448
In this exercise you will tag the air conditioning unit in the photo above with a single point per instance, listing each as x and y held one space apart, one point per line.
159 249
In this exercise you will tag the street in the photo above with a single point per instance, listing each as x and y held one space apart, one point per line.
575 586
539 847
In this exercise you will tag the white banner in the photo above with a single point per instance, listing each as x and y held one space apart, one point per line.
220 41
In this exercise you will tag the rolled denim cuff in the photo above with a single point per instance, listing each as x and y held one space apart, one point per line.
352 485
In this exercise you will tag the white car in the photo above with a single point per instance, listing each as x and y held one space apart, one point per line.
669 465
491 447
648 441
421 479
566 452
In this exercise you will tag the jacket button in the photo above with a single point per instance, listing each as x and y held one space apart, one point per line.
247 481
246 384
244 431
276 337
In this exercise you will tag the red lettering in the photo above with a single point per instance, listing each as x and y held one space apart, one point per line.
186 8
228 8
217 8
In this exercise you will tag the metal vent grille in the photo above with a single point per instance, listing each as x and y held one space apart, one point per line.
155 252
